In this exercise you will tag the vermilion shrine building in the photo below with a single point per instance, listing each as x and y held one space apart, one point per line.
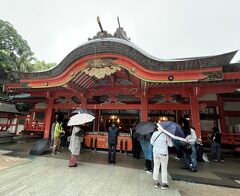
117 80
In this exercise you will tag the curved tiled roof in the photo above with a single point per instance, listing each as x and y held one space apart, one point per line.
127 48
8 108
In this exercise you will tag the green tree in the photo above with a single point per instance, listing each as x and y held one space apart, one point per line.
41 66
15 53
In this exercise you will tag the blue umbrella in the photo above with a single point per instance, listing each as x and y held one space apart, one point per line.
177 144
144 128
173 130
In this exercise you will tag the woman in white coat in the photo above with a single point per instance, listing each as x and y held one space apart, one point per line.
160 142
74 146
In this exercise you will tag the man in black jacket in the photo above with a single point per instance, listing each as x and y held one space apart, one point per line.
113 132
216 145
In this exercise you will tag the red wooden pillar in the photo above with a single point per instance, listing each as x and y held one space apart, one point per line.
144 107
222 115
48 117
179 115
195 111
83 102
96 120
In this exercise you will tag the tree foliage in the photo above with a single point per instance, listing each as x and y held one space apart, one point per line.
15 53
41 66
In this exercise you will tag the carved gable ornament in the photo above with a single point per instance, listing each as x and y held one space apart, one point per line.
100 68
211 76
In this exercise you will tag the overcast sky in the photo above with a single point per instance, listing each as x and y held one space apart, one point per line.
163 28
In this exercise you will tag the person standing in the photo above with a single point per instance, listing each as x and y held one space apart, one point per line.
74 146
52 131
147 151
216 145
58 131
160 142
190 158
136 147
113 132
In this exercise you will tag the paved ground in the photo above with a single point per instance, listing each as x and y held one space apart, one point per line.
51 176
220 174
190 189
127 177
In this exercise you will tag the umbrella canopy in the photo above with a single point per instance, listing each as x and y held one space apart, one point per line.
144 128
80 119
41 147
82 111
173 130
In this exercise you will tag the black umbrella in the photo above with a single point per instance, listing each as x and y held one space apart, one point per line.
144 128
41 147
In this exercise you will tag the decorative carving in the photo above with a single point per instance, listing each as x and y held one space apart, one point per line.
65 100
122 81
120 33
170 99
113 100
122 90
75 99
100 68
131 90
100 35
213 76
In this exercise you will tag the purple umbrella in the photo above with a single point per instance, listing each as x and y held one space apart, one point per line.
173 130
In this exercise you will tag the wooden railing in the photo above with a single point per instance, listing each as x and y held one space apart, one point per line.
231 138
34 126
6 126
227 138
100 140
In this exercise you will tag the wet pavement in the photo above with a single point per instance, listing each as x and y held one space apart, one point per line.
221 174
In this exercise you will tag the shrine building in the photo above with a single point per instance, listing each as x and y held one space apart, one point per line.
118 81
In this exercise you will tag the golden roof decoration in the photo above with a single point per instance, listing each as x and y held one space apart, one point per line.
100 68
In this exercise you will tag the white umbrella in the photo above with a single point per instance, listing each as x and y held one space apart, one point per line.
82 111
80 119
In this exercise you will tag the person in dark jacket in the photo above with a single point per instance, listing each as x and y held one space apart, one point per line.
113 132
136 147
216 145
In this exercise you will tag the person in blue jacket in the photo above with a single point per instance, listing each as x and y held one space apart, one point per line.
147 149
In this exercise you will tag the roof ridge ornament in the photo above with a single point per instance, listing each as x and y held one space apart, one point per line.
101 34
120 33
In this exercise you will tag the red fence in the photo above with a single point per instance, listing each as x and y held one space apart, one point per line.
227 138
34 126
